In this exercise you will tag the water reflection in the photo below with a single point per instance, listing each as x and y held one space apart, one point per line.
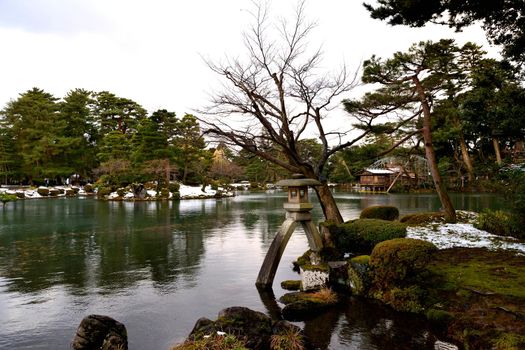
159 266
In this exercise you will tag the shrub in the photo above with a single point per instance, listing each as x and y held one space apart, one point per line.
43 191
164 193
418 219
103 191
497 222
360 236
88 188
383 212
174 187
399 261
6 197
121 192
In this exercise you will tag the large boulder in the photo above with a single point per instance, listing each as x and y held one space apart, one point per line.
256 329
100 332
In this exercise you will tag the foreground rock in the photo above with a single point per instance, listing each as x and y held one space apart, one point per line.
100 332
247 329
300 306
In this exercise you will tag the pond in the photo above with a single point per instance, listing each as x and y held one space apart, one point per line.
159 266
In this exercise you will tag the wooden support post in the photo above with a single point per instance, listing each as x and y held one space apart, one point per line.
273 257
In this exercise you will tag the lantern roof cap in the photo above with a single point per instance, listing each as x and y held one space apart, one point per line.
298 180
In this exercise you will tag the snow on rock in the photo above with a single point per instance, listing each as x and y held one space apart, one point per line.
464 235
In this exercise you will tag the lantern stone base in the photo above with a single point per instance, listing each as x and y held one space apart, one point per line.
314 277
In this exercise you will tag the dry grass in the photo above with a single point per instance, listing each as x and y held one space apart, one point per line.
290 339
326 295
213 342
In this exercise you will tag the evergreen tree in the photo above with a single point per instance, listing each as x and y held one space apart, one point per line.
38 134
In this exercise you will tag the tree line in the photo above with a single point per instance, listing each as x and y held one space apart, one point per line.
92 134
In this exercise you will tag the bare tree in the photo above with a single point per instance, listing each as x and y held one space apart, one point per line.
279 95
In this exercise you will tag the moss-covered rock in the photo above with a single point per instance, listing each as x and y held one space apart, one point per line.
360 236
359 275
291 285
383 212
69 192
254 329
302 305
88 188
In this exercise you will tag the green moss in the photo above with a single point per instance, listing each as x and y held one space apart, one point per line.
438 316
291 285
481 270
383 212
320 267
303 259
405 299
361 259
418 219
509 341
321 297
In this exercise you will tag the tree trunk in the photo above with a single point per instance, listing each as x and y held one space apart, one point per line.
466 157
450 212
495 143
330 211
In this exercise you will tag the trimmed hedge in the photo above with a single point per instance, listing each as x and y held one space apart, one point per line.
418 219
399 261
383 212
397 267
361 235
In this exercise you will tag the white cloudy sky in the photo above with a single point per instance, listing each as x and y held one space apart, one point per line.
150 51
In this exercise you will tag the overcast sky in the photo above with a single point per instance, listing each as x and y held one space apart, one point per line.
150 51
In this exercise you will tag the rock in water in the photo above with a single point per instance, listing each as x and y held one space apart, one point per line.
100 332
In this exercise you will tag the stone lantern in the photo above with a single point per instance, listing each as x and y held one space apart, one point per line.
297 211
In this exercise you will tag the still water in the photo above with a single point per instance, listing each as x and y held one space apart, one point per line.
159 266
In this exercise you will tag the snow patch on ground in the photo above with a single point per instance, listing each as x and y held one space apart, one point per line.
464 235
